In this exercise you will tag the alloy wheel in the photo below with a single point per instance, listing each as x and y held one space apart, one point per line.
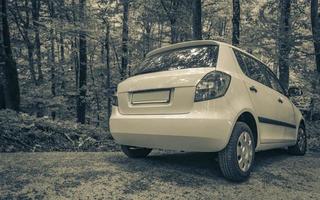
301 139
244 151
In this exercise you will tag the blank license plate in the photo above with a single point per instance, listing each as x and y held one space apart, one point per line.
149 97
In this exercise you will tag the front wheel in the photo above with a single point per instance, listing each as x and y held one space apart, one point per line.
300 147
135 152
236 160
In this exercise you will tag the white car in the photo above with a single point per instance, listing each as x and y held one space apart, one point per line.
206 96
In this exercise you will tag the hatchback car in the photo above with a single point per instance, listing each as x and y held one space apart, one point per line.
206 96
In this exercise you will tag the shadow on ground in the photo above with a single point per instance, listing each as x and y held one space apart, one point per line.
179 165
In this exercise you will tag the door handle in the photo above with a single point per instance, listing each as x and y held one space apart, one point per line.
280 100
253 89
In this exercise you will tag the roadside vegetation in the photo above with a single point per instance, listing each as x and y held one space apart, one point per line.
22 132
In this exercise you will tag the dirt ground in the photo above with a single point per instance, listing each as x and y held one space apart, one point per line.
163 175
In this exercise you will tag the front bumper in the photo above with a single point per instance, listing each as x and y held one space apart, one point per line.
195 131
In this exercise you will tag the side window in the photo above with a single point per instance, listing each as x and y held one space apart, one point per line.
275 84
255 71
240 60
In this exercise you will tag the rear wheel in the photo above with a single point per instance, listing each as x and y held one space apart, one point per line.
300 147
236 160
135 152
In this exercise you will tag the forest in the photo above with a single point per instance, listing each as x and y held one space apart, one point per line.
61 60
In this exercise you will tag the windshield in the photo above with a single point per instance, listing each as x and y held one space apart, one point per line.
184 58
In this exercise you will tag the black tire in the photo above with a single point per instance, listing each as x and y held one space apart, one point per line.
135 152
228 157
300 148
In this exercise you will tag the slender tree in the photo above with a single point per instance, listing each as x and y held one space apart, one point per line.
284 43
125 37
107 50
171 9
2 100
51 54
35 20
81 102
236 22
7 64
197 19
315 22
2 62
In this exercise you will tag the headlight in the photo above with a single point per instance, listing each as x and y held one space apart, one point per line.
213 85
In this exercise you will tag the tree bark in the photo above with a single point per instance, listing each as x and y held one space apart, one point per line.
284 45
236 23
315 22
108 85
171 11
2 99
35 20
81 102
173 31
125 37
10 83
62 47
51 57
29 44
197 22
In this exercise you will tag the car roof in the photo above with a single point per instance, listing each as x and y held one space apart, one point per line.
195 43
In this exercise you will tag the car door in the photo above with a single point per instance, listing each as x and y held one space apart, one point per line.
264 101
285 112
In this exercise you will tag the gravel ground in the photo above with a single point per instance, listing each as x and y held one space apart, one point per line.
163 175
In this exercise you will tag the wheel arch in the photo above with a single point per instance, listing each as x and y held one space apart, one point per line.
248 118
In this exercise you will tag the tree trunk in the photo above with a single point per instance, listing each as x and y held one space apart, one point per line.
10 85
62 61
53 73
51 57
125 37
236 23
81 102
284 46
29 44
2 99
173 31
160 33
171 11
108 85
2 63
197 24
315 22
74 47
35 19
96 93
30 50
62 48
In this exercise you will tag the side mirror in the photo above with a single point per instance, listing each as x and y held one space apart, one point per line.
294 92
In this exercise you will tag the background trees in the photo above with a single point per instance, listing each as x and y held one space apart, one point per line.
284 42
82 88
315 23
71 54
236 22
196 19
9 88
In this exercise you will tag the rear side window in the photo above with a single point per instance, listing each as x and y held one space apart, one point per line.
275 84
184 58
252 68
240 61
